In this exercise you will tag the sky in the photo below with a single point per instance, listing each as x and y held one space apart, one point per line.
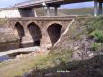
78 5
9 3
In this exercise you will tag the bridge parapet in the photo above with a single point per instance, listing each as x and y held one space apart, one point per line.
43 18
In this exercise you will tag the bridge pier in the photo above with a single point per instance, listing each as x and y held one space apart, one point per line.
27 40
55 11
48 11
95 8
35 14
45 41
27 12
100 8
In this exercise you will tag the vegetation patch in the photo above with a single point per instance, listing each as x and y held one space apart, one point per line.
3 21
34 62
96 46
97 35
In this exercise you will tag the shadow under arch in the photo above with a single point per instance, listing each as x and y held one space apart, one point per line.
54 32
35 33
20 31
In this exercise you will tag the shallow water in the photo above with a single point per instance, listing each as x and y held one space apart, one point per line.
4 58
11 56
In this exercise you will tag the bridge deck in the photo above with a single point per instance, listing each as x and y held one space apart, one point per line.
43 18
39 3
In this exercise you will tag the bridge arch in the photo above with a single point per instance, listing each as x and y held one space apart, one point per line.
20 31
35 33
54 32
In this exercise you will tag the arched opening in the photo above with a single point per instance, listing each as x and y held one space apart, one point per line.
20 31
54 32
35 33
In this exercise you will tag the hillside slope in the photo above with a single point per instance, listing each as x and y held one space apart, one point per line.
84 37
64 12
80 11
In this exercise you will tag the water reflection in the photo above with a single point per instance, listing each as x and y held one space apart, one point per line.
3 58
11 56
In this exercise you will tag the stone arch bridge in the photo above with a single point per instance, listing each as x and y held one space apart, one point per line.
39 31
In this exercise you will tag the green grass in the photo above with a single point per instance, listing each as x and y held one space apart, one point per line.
95 32
95 24
96 46
97 35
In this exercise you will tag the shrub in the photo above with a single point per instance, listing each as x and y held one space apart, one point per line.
96 46
97 35
95 24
